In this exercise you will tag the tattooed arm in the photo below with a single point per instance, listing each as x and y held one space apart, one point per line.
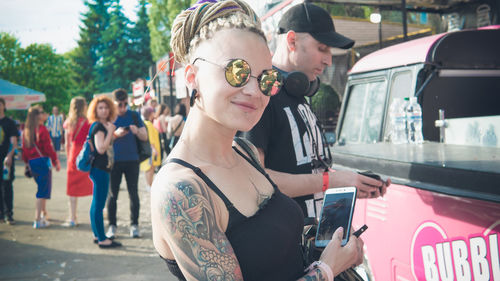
184 215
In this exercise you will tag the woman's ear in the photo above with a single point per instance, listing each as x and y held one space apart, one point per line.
291 40
190 76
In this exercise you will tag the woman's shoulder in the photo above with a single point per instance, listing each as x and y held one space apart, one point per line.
97 126
174 179
42 129
66 124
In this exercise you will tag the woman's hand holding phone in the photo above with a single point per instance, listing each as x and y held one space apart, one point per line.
341 258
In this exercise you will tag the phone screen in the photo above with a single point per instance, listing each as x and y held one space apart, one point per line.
337 211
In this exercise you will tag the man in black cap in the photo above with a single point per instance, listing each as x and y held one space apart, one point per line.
288 137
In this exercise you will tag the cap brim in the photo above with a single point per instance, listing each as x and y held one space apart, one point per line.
334 39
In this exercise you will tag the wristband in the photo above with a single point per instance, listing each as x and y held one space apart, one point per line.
324 267
326 180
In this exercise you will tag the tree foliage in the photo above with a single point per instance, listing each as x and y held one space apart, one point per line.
87 54
141 42
37 67
114 66
112 51
162 15
325 103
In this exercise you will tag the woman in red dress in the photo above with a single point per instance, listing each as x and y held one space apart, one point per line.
77 129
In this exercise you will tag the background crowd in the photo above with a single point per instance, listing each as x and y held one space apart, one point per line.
40 140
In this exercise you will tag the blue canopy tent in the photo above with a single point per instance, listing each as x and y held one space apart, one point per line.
18 97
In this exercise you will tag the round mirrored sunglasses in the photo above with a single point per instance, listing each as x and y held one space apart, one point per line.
238 73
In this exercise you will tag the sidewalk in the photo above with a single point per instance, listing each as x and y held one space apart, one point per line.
59 253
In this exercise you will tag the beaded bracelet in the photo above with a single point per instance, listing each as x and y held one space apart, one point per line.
321 265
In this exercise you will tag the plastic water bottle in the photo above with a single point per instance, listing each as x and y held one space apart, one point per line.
6 172
397 115
414 121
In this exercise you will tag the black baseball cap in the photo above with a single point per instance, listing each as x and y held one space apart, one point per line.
314 20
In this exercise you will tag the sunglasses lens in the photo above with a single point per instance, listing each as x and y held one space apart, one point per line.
237 72
270 82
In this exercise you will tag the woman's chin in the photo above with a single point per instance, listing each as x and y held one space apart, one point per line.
246 127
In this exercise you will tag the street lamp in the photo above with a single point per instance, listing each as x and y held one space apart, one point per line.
376 17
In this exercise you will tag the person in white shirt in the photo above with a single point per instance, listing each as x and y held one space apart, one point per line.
55 126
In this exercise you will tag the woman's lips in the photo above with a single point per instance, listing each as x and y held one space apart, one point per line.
245 106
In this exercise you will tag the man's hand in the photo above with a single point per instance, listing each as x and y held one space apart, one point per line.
8 161
58 165
134 129
367 187
120 132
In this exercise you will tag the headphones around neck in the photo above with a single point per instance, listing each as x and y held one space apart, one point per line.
297 84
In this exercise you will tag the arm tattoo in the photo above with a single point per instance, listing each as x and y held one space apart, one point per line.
189 213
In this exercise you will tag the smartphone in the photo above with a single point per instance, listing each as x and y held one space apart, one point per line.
337 211
126 128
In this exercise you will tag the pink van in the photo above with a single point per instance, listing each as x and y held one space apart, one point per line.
440 220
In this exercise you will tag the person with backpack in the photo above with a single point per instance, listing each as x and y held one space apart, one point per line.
129 131
101 113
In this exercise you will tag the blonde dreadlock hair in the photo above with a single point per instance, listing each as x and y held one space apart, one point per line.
200 22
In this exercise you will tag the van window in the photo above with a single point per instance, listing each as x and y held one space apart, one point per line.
364 113
401 87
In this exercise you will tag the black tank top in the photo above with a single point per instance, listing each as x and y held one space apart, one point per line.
267 244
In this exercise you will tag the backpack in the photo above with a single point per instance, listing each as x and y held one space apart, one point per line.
86 156
143 147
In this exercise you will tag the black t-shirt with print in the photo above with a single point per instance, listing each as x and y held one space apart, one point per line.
7 130
284 133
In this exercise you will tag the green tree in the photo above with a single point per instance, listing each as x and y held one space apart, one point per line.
43 70
326 104
341 10
141 42
88 53
9 46
162 15
115 66
37 67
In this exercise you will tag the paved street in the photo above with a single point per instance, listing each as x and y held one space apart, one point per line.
59 253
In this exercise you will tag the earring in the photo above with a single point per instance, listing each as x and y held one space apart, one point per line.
193 96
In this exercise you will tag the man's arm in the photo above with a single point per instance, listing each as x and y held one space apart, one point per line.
142 134
295 185
10 154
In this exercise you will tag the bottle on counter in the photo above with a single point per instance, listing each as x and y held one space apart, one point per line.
397 115
414 122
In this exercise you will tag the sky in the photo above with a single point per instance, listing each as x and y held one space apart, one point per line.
48 21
